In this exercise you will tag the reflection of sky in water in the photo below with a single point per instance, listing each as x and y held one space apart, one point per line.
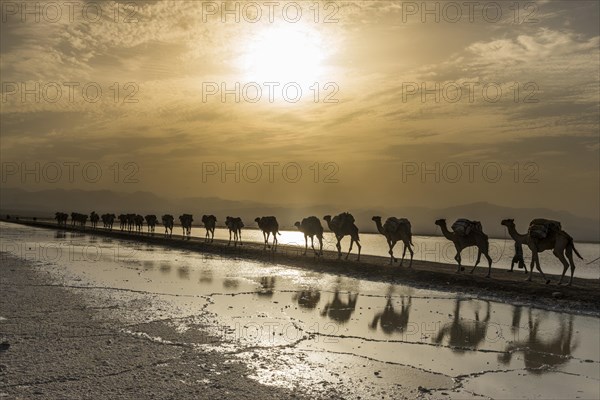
270 305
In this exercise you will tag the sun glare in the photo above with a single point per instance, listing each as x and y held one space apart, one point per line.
288 53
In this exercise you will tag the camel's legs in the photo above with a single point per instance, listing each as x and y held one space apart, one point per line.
350 249
240 236
306 244
538 267
559 254
228 243
320 245
275 241
489 259
412 253
391 244
359 248
569 252
339 247
266 236
403 254
312 244
458 259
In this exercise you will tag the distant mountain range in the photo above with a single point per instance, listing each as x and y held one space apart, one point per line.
45 202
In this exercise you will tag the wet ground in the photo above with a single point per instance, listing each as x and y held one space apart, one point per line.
317 332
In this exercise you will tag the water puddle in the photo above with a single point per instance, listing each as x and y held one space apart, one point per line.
321 332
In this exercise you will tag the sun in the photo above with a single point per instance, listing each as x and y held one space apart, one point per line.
290 53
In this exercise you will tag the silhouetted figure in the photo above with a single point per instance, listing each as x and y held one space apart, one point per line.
268 225
396 229
311 226
94 218
210 222
471 234
186 224
542 235
167 221
518 258
343 225
234 225
151 222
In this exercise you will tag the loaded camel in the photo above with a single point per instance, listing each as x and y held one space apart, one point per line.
94 218
234 225
467 234
210 222
343 225
186 225
167 221
545 235
312 227
268 225
151 221
396 229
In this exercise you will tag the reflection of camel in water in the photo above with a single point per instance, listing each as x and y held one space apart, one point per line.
338 310
183 272
307 298
231 283
267 286
540 355
391 320
206 276
463 334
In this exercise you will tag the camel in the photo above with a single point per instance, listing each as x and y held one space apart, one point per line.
475 237
268 225
167 221
557 240
392 321
342 225
61 218
130 222
139 223
542 355
122 221
339 310
79 219
234 225
186 224
209 221
151 221
94 218
463 333
108 220
395 229
312 227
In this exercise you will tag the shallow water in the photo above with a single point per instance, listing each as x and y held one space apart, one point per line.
431 248
305 329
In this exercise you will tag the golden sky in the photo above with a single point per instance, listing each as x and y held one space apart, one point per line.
510 88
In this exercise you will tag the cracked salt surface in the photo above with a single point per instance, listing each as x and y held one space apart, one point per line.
317 331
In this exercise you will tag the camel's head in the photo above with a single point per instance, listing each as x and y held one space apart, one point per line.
257 220
440 222
508 222
297 224
376 218
327 218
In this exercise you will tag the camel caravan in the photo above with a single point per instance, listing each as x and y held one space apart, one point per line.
542 235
